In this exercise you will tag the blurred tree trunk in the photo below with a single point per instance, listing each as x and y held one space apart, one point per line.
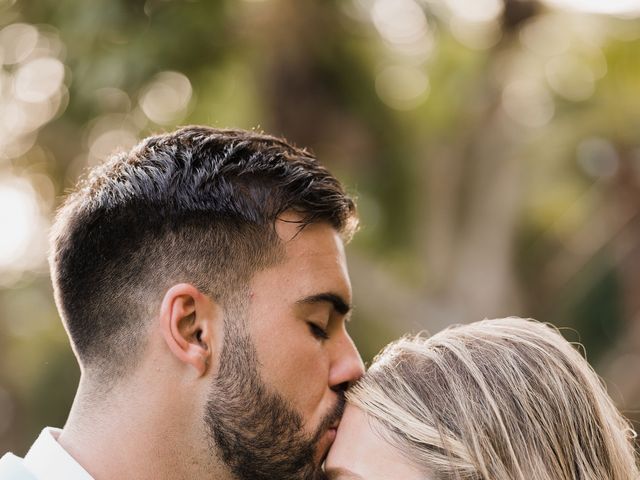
481 178
621 365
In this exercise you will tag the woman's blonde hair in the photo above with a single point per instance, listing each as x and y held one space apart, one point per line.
504 399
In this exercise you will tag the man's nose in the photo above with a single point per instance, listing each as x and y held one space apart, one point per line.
347 365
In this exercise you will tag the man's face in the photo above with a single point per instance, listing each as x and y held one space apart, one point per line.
278 395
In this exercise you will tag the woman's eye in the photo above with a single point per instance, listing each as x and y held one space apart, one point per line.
318 332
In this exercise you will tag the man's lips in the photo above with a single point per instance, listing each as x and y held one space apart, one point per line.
330 430
325 442
331 433
327 439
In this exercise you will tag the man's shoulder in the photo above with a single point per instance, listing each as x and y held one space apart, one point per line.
12 468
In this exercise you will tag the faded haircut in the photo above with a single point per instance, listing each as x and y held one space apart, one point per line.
198 205
504 399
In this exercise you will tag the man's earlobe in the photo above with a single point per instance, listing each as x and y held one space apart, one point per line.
187 319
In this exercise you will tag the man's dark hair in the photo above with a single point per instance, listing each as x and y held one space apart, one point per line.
198 205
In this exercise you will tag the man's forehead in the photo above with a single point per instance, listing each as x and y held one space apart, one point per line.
310 240
313 264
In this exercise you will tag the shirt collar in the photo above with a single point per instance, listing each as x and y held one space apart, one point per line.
47 459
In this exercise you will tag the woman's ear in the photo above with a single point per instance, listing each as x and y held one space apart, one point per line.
187 320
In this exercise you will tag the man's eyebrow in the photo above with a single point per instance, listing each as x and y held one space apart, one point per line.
339 304
336 473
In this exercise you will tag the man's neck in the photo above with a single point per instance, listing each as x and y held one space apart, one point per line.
119 436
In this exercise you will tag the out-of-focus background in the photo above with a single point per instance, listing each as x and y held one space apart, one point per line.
494 146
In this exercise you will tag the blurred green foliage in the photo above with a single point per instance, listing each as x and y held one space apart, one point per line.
495 155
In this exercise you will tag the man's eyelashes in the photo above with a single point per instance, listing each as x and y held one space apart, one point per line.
318 332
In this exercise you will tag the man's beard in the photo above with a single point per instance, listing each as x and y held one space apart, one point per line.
257 434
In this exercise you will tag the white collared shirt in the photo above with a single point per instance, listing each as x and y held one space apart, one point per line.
47 460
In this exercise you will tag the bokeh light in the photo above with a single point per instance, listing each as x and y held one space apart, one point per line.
108 134
17 41
32 85
19 219
570 77
475 35
38 79
547 35
15 220
625 8
493 147
166 98
528 103
476 10
404 27
402 87
399 21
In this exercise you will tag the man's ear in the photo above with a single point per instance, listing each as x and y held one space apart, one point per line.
187 320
